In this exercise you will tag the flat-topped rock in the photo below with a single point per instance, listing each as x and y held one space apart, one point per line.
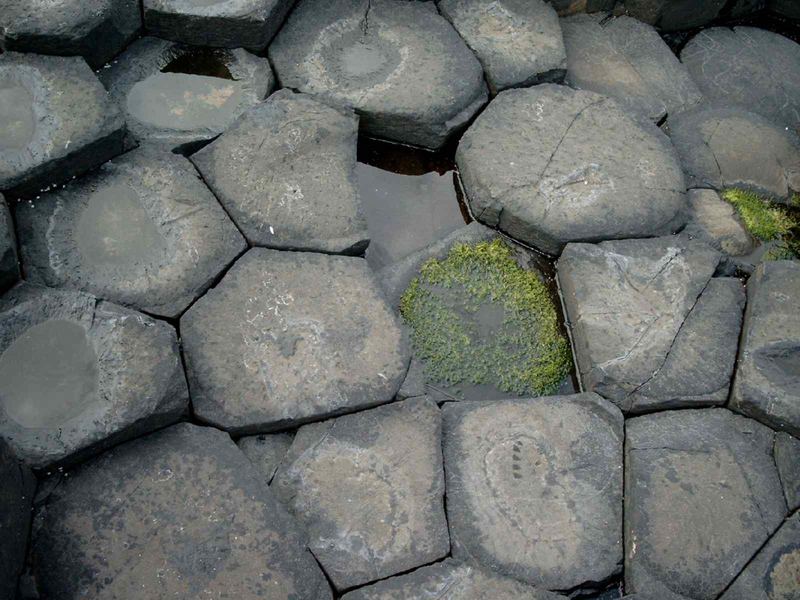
181 96
748 68
787 458
249 24
94 29
767 385
17 486
143 231
627 60
56 121
288 337
9 265
180 513
534 487
716 222
369 490
285 173
266 451
550 165
400 65
701 496
518 42
671 15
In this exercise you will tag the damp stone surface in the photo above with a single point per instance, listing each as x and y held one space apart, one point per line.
9 265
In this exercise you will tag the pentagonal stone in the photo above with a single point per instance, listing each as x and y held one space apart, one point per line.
9 266
287 337
750 68
78 375
731 147
550 165
143 231
534 487
247 24
285 174
94 29
787 458
178 514
457 580
715 221
627 60
56 121
518 42
628 303
767 385
369 489
399 64
671 15
17 485
182 96
701 496
266 451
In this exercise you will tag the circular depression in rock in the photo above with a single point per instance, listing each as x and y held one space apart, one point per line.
367 59
17 121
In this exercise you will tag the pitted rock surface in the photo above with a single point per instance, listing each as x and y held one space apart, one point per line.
717 223
9 265
17 486
787 458
369 489
266 451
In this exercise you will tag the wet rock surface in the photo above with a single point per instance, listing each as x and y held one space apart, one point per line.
17 486
787 458
714 221
266 451
9 265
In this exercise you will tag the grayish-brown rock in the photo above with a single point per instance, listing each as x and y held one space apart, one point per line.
400 65
787 458
717 223
288 337
143 231
178 514
285 173
369 489
78 375
266 451
17 485
534 487
9 265
701 496
550 165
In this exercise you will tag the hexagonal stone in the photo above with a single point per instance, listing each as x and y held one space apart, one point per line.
627 60
94 29
266 451
180 513
9 266
750 68
550 165
534 487
637 310
787 458
369 490
288 337
78 375
17 486
518 42
670 15
767 384
400 65
711 144
285 174
247 24
143 231
56 121
716 222
701 496
181 96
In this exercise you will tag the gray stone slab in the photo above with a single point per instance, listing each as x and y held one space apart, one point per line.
266 451
534 487
288 337
400 65
671 15
180 513
414 384
143 231
369 489
550 165
787 458
78 375
17 486
56 121
9 265
717 223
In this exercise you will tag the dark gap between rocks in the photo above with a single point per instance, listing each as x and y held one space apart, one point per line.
210 62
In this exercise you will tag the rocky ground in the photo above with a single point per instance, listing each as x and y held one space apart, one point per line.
394 300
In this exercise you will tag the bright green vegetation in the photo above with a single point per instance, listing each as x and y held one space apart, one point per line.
477 317
767 222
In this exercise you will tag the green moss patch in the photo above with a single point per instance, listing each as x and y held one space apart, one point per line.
477 317
766 222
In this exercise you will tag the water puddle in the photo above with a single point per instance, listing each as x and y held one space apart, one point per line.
17 121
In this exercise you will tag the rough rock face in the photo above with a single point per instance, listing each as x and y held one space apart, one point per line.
290 336
787 458
181 96
534 487
17 485
732 147
94 29
715 222
400 65
285 174
114 529
78 374
56 121
767 384
266 451
143 231
249 24
369 489
671 15
701 496
750 68
9 266
627 60
518 42
550 165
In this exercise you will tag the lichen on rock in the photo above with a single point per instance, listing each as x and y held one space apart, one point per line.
767 222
